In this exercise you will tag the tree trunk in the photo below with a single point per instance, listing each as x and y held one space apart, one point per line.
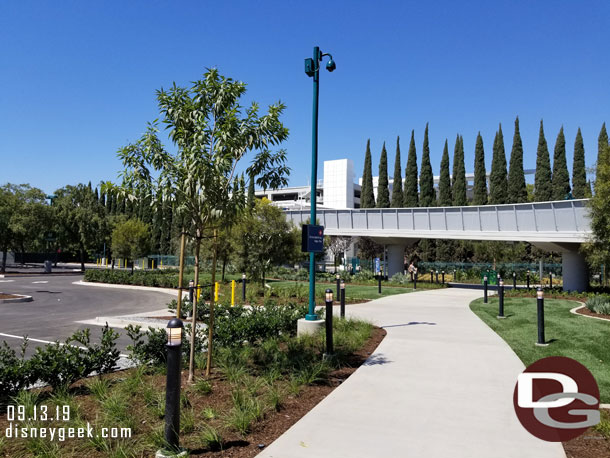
224 266
82 258
208 366
4 254
194 317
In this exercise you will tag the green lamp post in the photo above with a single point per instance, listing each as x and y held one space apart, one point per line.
312 69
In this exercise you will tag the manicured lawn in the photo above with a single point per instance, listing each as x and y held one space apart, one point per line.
352 292
584 339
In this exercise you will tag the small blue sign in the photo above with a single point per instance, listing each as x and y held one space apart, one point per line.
377 265
312 238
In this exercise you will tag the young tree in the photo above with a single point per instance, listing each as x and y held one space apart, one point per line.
444 184
383 194
517 191
561 177
368 249
543 188
498 183
130 240
458 184
579 171
599 249
251 192
267 239
480 174
212 135
397 197
367 195
81 221
411 198
427 197
337 245
602 139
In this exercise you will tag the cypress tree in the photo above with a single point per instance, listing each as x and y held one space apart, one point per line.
561 177
96 195
103 199
498 183
543 188
579 172
444 184
251 195
427 196
383 194
397 182
517 191
367 197
602 142
411 198
458 183
480 174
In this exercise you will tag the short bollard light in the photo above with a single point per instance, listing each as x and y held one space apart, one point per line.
501 299
540 306
191 291
437 277
415 280
342 299
443 277
528 279
243 287
551 279
431 276
329 322
514 280
172 391
485 280
379 284
338 279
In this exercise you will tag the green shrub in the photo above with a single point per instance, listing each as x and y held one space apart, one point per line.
599 304
16 372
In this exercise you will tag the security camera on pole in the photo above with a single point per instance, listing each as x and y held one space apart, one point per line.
312 234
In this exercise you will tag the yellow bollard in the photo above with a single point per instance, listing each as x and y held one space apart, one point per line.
119 263
161 264
125 263
198 292
153 264
216 289
232 292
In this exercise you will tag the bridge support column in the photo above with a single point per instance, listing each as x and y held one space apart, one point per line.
396 259
575 271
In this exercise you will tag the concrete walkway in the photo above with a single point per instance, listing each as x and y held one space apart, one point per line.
440 385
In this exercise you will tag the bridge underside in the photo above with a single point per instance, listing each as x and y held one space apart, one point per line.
574 266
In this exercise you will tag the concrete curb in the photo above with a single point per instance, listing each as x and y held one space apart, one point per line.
17 299
574 311
171 291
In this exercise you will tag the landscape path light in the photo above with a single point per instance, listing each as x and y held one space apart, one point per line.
342 299
540 306
172 390
329 322
501 299
485 280
243 288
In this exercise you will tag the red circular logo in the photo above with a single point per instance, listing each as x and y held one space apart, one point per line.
556 399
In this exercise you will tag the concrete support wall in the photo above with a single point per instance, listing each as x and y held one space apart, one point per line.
396 259
575 271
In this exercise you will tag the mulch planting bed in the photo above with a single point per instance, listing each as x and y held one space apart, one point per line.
262 433
590 445
586 311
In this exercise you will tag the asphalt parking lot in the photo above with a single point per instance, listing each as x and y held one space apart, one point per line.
59 304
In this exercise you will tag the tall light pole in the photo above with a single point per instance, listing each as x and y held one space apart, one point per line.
312 69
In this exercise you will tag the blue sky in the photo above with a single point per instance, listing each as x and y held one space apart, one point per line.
79 78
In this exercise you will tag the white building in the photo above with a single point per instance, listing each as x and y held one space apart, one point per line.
338 188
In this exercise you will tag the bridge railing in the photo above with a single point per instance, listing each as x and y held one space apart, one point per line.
565 216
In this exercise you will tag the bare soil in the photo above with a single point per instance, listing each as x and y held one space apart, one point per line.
586 311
